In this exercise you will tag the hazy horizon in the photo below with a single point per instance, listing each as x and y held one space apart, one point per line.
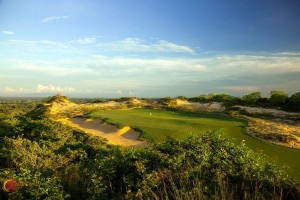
148 48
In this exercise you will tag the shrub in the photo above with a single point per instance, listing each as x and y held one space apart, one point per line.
278 97
203 166
294 102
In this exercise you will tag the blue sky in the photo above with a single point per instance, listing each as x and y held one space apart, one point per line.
149 48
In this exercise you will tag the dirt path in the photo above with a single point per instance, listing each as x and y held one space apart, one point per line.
126 136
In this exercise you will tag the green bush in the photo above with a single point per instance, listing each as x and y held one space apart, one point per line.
278 98
203 166
294 102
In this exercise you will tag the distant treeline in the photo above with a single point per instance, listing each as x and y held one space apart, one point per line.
277 99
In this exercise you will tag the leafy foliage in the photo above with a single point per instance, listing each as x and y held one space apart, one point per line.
212 97
294 102
278 97
252 98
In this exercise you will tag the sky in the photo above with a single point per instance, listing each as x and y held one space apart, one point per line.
148 48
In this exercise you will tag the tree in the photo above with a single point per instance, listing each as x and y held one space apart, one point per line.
252 98
181 97
219 97
294 102
278 97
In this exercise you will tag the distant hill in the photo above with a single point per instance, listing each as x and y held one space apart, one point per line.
51 106
59 99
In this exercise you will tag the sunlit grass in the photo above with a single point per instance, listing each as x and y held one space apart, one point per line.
158 124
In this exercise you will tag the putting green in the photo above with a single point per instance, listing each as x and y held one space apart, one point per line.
158 124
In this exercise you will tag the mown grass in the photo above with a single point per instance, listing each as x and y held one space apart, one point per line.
163 123
159 124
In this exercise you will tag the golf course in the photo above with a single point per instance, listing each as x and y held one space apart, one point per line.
157 124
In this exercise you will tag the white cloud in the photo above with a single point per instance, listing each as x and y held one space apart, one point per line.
118 92
287 54
40 89
113 85
207 68
171 47
119 75
50 88
138 65
249 64
16 90
86 40
132 93
215 66
8 32
53 18
50 68
112 92
101 65
139 45
40 46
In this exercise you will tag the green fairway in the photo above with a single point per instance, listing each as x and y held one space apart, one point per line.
157 124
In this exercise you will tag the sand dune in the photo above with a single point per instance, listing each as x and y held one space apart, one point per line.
125 136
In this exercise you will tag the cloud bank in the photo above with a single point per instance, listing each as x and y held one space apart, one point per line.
40 89
51 88
145 67
139 45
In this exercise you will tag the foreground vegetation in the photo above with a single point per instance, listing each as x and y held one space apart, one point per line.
52 161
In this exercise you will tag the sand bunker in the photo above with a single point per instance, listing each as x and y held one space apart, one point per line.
125 136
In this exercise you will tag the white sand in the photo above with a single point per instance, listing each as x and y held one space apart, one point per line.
123 137
269 111
213 106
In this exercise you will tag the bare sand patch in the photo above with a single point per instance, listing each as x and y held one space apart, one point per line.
125 136
213 106
268 111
